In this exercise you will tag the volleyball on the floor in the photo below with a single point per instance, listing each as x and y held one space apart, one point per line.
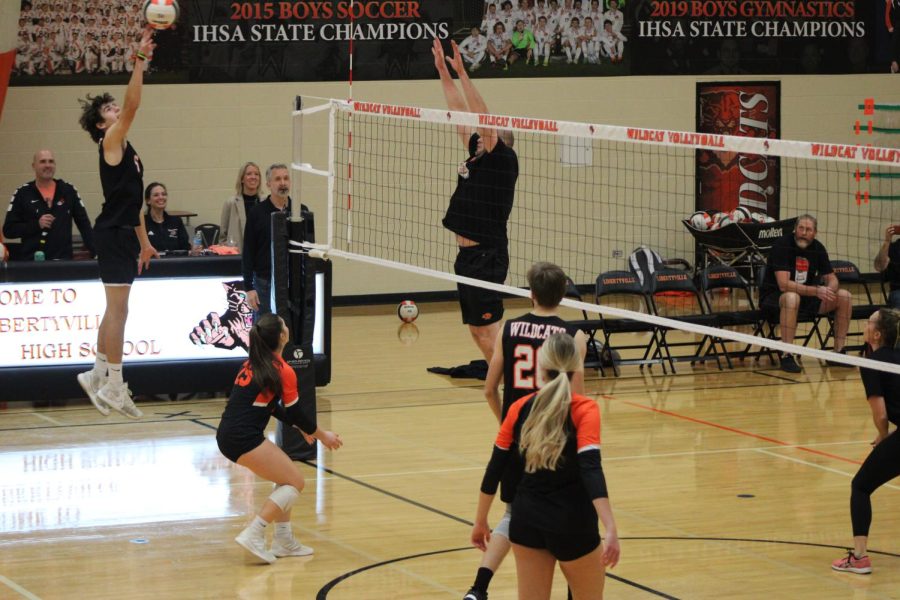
161 14
408 311
700 220
741 215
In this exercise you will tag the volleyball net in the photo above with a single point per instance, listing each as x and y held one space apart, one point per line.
587 194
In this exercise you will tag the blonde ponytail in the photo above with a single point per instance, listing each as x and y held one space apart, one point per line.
543 435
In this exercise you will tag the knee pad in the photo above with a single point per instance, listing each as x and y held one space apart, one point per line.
285 496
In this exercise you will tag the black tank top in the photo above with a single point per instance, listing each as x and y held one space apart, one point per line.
521 339
123 190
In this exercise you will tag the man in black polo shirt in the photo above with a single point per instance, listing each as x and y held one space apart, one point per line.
887 261
799 280
480 205
42 211
257 255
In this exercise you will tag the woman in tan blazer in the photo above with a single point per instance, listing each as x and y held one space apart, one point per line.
234 211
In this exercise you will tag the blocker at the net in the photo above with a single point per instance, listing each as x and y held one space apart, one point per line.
587 194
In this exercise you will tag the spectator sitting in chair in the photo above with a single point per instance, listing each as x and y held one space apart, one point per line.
166 233
799 281
887 262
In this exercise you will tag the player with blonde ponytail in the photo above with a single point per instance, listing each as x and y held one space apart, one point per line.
562 491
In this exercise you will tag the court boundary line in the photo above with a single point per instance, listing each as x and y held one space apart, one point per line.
18 588
323 591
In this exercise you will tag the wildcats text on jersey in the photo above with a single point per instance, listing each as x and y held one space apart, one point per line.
538 331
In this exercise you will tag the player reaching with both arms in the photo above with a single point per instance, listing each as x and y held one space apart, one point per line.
120 237
480 206
515 362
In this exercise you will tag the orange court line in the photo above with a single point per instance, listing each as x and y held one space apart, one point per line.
740 432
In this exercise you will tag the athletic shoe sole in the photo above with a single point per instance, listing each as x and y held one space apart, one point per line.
264 556
84 380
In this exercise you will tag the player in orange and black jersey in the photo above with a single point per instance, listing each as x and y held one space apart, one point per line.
515 360
562 491
266 386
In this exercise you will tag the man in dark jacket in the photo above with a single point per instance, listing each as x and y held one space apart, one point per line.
41 213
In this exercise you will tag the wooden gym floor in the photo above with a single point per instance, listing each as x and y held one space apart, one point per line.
730 484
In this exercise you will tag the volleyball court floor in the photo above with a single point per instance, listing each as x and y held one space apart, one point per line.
731 484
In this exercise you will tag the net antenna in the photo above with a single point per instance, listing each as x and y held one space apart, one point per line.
587 195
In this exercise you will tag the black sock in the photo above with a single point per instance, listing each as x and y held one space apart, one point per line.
482 579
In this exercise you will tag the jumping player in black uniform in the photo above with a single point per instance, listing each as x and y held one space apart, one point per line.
263 380
562 490
515 360
882 333
480 205
120 237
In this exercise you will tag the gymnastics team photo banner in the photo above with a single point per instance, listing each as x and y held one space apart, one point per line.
79 43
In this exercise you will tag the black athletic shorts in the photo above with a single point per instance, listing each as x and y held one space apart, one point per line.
563 546
809 307
480 306
235 442
118 250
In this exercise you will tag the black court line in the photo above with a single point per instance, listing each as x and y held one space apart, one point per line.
201 423
753 540
323 593
784 378
375 488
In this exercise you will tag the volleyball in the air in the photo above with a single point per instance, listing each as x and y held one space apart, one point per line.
700 220
408 311
161 14
741 215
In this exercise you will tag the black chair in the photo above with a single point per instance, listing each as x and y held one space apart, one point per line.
689 309
725 277
771 320
626 284
848 274
593 358
209 232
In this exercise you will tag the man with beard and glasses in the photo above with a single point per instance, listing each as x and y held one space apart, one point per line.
800 281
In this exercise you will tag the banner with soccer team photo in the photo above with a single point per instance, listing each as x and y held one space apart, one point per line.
84 42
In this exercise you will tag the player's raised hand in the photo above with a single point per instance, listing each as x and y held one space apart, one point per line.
456 61
438 51
146 45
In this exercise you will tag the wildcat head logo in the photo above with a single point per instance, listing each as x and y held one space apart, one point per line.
231 329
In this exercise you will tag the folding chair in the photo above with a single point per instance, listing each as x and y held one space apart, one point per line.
674 280
813 321
626 284
593 359
725 277
848 274
209 232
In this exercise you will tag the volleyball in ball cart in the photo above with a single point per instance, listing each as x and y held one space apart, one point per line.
762 218
161 14
741 215
700 220
722 219
408 311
